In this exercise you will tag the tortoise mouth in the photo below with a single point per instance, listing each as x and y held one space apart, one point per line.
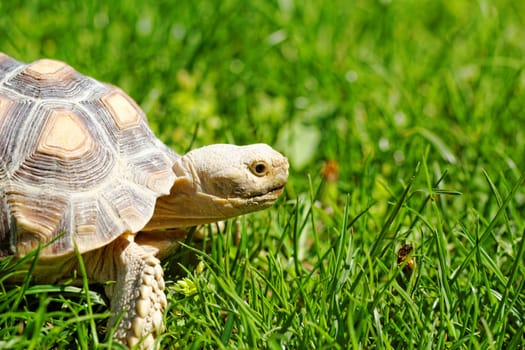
278 190
272 193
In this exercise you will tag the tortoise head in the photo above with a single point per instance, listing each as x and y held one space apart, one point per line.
221 181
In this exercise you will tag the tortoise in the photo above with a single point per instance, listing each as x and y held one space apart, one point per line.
81 172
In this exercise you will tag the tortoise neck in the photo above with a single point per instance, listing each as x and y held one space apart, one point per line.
186 204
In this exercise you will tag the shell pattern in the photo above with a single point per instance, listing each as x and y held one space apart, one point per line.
79 164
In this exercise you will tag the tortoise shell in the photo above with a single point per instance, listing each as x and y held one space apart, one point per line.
79 165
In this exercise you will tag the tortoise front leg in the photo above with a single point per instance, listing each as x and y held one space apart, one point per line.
137 297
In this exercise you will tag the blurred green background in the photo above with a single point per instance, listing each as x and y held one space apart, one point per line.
354 81
358 94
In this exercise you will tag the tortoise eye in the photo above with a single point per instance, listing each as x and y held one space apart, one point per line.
259 168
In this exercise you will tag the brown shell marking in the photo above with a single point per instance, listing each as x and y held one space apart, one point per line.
65 135
49 79
123 110
46 69
78 162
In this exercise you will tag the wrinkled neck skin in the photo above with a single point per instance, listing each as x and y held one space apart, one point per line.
218 182
187 205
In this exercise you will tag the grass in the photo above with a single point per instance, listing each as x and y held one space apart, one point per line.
403 122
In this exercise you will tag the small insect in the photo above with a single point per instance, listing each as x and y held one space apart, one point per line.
405 259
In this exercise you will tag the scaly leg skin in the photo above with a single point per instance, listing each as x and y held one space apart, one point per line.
137 297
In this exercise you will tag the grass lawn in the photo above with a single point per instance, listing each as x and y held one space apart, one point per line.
404 123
